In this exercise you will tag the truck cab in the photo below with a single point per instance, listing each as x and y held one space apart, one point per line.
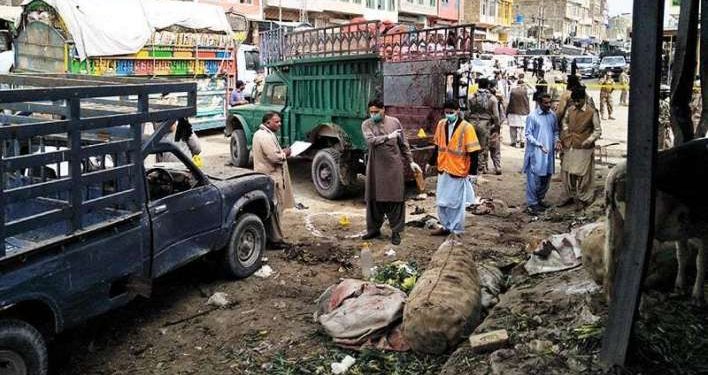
321 89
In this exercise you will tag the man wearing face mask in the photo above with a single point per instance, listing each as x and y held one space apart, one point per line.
389 154
456 153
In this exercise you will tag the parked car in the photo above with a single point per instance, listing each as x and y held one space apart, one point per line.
614 65
587 66
86 228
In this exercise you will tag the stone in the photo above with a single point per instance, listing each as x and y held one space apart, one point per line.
489 341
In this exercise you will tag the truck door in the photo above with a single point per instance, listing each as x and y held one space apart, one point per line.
185 211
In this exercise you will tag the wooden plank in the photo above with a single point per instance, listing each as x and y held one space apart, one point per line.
641 157
684 72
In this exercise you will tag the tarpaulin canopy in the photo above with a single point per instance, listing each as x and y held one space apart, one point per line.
505 51
10 14
117 27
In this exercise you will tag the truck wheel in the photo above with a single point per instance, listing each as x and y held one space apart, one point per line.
239 149
22 349
245 249
326 174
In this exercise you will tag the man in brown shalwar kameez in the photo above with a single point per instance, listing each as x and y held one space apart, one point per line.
269 158
580 129
389 153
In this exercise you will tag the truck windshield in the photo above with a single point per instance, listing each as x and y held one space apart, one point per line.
252 60
583 60
277 94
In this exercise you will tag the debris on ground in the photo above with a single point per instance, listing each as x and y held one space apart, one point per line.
489 341
494 207
421 197
218 299
343 366
264 272
418 211
399 274
301 206
559 252
358 314
492 283
445 301
426 222
390 253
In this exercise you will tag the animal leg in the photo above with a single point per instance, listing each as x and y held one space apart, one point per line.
682 259
697 296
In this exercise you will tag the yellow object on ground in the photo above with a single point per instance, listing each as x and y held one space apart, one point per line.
198 161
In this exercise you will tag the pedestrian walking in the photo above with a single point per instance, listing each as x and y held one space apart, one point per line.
517 111
539 67
574 67
624 87
541 87
564 65
456 153
534 72
539 158
270 159
555 91
607 86
389 154
483 113
580 129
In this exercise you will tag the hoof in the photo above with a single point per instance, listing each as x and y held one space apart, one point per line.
698 301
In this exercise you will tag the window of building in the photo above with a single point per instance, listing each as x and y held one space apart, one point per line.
370 4
391 6
433 3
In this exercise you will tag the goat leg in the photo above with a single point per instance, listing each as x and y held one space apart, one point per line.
697 296
682 251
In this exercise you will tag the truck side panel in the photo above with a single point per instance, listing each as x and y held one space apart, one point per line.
333 91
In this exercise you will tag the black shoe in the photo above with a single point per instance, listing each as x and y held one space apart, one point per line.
544 205
534 210
371 235
395 238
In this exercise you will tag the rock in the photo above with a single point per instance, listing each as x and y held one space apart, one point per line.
489 341
540 346
218 299
501 355
264 272
343 366
421 197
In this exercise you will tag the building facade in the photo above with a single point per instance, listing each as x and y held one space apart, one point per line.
620 27
493 19
560 19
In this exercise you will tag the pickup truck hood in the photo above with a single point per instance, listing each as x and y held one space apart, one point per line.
230 173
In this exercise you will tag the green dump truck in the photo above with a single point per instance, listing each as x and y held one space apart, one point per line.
321 80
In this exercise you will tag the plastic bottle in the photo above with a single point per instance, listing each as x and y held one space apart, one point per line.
367 261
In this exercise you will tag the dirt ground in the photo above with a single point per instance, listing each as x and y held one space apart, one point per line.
268 326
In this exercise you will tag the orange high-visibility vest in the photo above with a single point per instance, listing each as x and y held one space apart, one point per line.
453 156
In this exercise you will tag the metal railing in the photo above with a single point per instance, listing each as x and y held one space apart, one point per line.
373 37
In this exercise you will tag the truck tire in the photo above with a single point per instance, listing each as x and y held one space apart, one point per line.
245 249
23 350
326 173
239 148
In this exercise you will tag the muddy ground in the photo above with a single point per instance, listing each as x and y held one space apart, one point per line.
268 326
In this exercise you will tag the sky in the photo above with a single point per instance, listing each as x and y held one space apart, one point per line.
620 6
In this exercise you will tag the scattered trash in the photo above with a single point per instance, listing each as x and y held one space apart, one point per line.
398 274
301 206
432 224
489 341
423 222
359 314
264 272
559 252
582 287
421 133
390 253
421 197
344 221
343 366
366 261
542 347
218 299
494 207
492 282
418 211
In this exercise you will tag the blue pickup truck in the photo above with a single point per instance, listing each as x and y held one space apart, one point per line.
92 210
